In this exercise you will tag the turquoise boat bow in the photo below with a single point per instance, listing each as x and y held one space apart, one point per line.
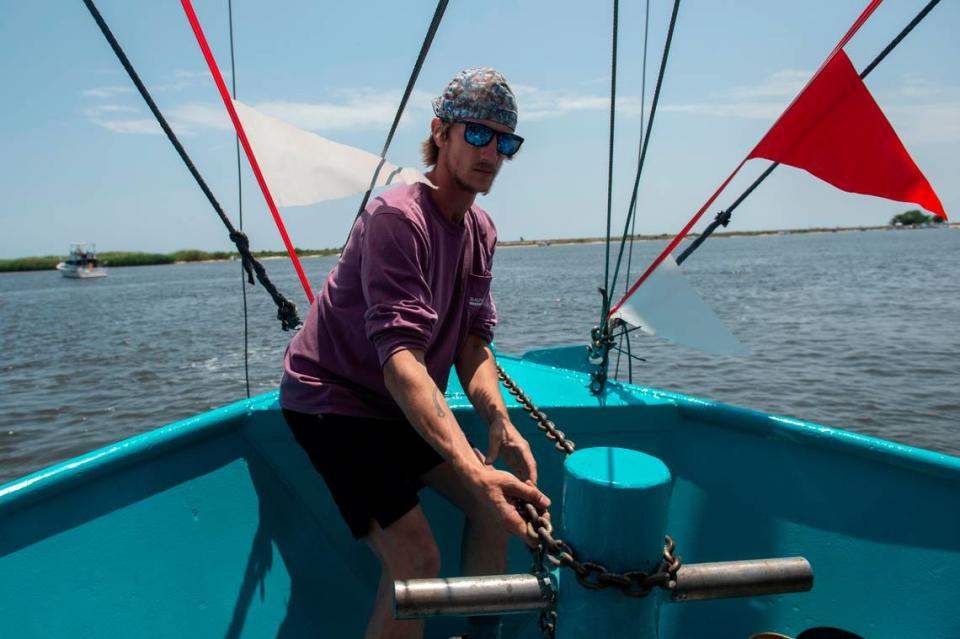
217 526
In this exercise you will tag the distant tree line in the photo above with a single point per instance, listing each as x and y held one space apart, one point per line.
914 217
123 258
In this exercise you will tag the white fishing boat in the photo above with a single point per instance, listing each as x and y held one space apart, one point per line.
82 263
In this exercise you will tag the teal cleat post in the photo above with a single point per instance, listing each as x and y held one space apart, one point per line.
615 505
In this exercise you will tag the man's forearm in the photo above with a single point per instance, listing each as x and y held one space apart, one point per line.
411 386
477 370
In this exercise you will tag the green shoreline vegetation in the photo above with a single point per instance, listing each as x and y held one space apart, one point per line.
112 259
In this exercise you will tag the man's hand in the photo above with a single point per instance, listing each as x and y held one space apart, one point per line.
505 441
501 490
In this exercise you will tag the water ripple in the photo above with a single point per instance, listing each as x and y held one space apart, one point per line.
853 330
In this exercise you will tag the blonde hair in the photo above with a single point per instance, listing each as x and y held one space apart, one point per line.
429 149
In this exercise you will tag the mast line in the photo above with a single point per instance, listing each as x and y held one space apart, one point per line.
646 138
613 110
411 82
243 280
251 157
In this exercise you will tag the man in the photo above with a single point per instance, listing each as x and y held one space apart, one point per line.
363 384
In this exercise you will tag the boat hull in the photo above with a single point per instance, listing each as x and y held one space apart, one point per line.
218 526
73 272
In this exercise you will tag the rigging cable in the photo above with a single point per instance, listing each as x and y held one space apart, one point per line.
613 110
723 217
286 310
633 227
644 134
243 280
245 143
646 137
414 74
601 342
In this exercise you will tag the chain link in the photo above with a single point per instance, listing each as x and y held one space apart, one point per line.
590 574
554 434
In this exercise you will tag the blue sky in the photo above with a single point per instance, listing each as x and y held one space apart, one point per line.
83 161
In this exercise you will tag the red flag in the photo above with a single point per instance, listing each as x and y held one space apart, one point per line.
835 130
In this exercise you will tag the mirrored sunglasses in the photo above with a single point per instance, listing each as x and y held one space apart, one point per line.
477 134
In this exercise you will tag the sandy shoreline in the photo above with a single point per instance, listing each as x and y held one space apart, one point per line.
725 234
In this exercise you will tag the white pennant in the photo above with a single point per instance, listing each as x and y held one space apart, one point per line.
666 305
303 168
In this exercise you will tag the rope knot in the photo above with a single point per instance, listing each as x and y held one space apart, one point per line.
287 314
240 239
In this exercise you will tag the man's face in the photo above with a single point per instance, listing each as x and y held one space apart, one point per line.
473 168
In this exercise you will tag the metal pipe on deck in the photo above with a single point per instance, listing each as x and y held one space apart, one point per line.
720 580
504 594
496 594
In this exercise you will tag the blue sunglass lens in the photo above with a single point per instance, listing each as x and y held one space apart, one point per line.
508 144
478 134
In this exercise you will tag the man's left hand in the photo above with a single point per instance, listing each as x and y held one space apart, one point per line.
506 442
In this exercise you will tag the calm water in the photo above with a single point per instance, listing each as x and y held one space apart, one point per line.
855 330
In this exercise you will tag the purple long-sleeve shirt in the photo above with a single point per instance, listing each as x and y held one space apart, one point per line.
408 278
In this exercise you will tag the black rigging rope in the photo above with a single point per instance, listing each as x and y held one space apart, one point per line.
613 110
646 138
723 217
243 280
414 74
643 135
633 224
286 310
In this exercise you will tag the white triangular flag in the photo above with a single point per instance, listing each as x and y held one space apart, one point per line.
303 168
666 305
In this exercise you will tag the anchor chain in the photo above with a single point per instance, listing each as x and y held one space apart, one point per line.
590 574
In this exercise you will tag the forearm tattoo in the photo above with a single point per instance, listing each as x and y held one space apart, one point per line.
436 402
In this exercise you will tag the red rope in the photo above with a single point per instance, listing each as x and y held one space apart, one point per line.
686 229
228 103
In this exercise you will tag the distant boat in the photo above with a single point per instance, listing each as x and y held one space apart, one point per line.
82 263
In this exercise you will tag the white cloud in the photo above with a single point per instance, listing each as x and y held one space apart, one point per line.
785 83
185 119
932 123
914 86
191 117
358 109
119 119
184 80
750 110
109 108
105 92
917 118
763 101
538 104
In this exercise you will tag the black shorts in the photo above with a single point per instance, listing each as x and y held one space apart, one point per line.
371 466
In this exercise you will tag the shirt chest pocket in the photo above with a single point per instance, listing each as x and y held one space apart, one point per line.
478 288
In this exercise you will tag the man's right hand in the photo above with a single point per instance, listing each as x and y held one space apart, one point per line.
501 490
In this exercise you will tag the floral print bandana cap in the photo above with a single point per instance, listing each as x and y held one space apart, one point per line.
478 94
